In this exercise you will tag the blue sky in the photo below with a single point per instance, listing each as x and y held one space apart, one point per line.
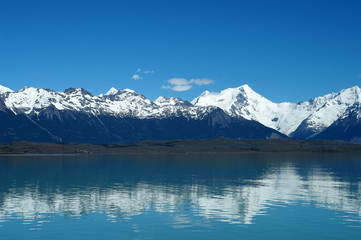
285 50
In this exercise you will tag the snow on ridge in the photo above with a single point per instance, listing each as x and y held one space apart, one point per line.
127 102
4 89
318 113
129 90
111 91
28 98
162 101
286 116
334 108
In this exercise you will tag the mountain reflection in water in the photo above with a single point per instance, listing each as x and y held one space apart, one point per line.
231 188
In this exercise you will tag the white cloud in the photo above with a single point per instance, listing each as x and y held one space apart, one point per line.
179 84
182 84
178 81
177 88
181 88
139 70
136 77
201 81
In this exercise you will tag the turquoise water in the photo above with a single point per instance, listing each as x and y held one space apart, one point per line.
210 196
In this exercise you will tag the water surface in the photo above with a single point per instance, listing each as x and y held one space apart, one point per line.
178 196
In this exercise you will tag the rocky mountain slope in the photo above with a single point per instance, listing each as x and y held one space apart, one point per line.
123 116
119 116
300 120
347 127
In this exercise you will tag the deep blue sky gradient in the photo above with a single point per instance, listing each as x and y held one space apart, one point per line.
285 50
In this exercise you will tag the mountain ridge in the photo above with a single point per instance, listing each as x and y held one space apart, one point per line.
286 117
120 116
238 108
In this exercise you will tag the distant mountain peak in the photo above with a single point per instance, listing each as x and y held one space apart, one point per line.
355 90
301 120
160 98
171 101
111 91
125 93
129 90
77 90
285 117
226 98
4 89
245 87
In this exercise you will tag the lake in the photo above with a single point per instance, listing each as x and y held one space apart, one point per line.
180 196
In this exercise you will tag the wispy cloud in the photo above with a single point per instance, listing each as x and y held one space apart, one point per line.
148 71
136 77
182 84
201 81
359 76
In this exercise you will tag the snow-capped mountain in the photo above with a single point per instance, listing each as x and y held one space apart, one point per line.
126 116
335 106
119 116
5 89
305 119
112 91
347 127
125 103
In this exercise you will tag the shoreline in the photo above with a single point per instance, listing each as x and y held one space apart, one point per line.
186 146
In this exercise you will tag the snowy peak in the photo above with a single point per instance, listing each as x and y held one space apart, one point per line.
350 95
128 96
286 117
171 101
246 89
77 91
28 98
228 98
111 91
128 92
239 102
333 107
5 89
347 127
303 120
123 103
161 101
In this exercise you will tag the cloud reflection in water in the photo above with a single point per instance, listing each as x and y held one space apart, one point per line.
228 194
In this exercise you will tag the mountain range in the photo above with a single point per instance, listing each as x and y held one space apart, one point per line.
125 116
